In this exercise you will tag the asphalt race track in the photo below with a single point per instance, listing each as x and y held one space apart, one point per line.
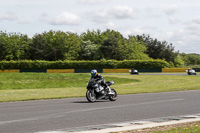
185 74
64 114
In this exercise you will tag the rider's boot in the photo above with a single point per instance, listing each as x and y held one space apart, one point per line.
110 91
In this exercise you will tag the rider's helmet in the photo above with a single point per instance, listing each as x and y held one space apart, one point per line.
93 73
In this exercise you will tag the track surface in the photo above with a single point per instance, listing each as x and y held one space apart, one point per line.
180 73
61 114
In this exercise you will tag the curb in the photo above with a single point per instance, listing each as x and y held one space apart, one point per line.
131 125
136 127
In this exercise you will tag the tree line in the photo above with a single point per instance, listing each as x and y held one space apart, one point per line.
190 59
90 45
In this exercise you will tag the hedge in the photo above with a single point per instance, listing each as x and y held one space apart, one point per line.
109 64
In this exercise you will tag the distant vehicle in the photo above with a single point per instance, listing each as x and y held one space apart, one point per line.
96 91
134 71
191 72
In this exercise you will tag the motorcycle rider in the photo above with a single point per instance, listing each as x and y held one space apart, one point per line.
189 70
100 79
132 70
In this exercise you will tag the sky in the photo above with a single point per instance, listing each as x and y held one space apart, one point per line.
174 21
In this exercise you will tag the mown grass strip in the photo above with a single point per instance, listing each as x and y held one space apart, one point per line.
182 128
32 86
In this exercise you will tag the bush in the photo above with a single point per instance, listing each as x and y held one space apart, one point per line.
112 64
142 64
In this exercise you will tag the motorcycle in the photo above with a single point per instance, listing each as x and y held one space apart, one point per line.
134 71
96 91
191 72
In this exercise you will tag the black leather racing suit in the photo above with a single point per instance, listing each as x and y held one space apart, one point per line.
189 71
98 78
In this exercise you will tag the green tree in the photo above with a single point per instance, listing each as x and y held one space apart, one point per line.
72 46
38 48
54 45
111 44
191 59
95 37
115 46
159 50
178 62
2 45
89 51
134 49
90 44
13 46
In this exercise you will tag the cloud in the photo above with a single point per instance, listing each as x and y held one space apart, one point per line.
44 17
64 18
110 25
193 27
153 31
121 12
10 16
23 22
171 9
186 39
115 12
153 12
92 1
193 30
173 20
197 20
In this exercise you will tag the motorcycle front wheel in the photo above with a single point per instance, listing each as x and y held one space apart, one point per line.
113 97
89 96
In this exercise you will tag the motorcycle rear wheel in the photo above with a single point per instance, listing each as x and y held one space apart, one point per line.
89 96
113 97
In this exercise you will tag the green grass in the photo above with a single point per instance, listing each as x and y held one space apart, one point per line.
18 81
159 83
188 129
32 86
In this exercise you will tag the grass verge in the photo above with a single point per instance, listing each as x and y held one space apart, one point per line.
34 86
191 127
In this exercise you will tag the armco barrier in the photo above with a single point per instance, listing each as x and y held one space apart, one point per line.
60 70
10 71
87 70
174 69
99 70
33 71
150 70
116 70
196 69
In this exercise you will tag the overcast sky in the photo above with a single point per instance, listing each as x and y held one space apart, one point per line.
176 21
